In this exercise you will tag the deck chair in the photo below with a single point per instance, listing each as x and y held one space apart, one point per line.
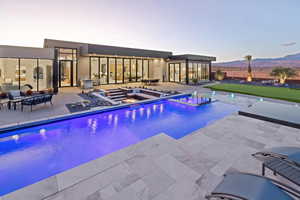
245 186
284 161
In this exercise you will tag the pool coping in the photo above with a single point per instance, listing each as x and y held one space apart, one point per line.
15 126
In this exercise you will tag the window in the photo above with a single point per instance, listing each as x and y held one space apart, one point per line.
133 70
126 70
45 74
103 71
94 73
112 70
16 73
119 70
183 72
139 70
171 72
145 69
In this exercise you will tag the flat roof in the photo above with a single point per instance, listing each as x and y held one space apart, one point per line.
87 49
193 57
26 52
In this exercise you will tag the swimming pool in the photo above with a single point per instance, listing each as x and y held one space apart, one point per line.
32 154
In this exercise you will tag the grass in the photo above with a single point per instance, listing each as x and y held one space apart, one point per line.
286 94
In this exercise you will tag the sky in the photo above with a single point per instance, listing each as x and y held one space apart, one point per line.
227 29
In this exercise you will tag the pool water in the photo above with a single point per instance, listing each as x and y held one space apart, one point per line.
32 154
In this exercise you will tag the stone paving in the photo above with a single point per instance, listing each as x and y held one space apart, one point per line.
162 168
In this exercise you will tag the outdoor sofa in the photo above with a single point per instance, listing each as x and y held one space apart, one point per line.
246 186
35 100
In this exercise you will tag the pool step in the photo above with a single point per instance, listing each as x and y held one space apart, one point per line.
117 96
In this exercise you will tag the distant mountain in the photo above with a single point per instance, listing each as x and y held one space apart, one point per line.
286 61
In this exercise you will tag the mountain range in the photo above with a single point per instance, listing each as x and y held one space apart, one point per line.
286 61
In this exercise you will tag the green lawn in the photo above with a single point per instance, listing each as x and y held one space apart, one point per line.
270 92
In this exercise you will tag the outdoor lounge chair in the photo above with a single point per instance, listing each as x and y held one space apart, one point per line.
284 161
244 186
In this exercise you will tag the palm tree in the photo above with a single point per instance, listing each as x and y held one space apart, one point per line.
249 77
283 73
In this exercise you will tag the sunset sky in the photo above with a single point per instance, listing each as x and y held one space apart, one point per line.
227 29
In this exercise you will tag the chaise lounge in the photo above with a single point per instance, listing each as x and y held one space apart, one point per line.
284 161
245 186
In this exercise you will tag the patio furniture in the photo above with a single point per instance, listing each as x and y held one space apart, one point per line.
86 84
246 186
35 100
14 94
284 161
150 81
3 102
14 103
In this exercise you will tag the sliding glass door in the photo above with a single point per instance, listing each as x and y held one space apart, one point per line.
111 70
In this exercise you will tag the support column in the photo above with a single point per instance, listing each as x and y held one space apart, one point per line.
55 69
187 71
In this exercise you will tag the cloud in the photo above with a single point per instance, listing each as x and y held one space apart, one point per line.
289 44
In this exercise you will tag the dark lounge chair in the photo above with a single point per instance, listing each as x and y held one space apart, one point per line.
284 161
35 100
244 186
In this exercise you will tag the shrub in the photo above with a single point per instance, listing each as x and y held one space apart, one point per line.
219 75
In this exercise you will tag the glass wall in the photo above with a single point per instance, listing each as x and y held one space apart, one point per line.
133 70
177 72
171 72
67 58
103 71
119 70
45 73
145 69
198 72
16 73
126 70
183 72
112 70
94 67
139 70
26 75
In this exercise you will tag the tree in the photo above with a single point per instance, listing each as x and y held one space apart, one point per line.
283 73
219 75
249 59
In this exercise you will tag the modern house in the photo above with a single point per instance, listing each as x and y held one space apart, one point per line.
64 64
